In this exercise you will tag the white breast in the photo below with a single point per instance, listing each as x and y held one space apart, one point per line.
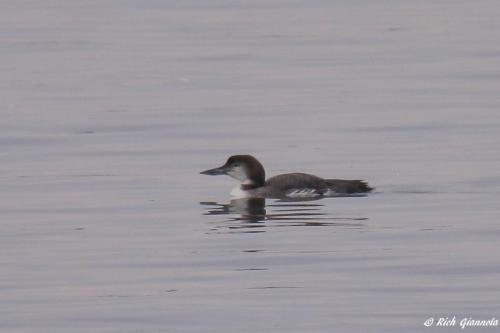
239 193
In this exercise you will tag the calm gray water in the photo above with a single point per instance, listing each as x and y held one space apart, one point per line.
109 109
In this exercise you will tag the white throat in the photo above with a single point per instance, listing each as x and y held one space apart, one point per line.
238 173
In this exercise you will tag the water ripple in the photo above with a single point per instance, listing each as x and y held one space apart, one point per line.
252 215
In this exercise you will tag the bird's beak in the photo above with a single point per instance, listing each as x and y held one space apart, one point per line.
215 172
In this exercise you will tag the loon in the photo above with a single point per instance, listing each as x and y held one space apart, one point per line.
250 172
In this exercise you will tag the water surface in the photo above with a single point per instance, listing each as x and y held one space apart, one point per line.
110 109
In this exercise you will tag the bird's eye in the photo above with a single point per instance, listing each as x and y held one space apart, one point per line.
236 165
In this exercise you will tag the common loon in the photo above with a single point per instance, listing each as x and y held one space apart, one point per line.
250 172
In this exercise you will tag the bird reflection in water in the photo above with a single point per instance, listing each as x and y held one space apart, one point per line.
253 215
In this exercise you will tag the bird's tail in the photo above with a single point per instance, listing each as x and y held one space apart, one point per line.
349 186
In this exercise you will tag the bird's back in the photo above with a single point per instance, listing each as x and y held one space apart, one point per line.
306 185
290 184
